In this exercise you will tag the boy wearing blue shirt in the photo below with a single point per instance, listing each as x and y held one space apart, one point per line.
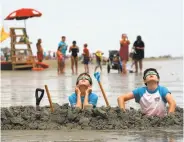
152 98
83 96
64 48
63 45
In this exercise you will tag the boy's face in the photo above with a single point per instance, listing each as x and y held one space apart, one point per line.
63 38
151 76
84 80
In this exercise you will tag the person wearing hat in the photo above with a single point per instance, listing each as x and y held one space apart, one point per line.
152 98
83 96
98 55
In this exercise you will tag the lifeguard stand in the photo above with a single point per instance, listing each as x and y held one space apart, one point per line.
22 58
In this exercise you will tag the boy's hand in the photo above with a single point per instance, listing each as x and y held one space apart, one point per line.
123 110
77 90
171 114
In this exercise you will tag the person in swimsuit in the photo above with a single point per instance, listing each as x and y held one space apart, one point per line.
74 56
39 50
86 58
59 60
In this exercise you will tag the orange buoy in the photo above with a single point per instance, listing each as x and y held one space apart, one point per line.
43 65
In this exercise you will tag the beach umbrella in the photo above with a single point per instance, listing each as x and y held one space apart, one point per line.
3 35
23 14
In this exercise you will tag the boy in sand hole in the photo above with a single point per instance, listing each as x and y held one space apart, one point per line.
83 96
152 98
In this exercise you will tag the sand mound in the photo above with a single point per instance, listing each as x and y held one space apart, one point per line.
65 117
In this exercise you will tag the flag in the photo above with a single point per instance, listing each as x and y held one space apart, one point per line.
3 35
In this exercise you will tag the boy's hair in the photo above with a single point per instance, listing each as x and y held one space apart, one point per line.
74 42
150 69
82 75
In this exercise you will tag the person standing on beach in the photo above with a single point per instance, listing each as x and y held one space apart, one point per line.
74 56
98 55
64 48
59 60
124 52
39 50
138 56
86 58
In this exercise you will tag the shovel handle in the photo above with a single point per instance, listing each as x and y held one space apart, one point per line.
50 101
104 95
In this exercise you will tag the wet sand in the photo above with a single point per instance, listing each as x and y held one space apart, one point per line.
18 88
156 135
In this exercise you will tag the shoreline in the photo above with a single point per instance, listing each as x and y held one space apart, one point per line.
53 63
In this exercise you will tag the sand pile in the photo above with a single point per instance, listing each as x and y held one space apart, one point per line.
65 117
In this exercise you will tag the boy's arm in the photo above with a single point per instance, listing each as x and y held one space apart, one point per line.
86 99
122 99
79 104
86 103
171 102
66 46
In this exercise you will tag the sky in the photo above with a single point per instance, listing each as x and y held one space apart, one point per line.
100 23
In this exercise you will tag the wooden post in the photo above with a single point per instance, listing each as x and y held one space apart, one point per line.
50 101
104 95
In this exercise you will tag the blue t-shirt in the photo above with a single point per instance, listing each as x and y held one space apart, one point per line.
64 47
92 99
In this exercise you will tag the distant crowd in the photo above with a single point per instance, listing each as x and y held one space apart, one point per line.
74 50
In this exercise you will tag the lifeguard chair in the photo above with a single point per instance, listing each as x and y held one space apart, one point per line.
21 52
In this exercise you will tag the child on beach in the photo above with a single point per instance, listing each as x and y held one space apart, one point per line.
98 55
83 96
60 60
86 58
152 98
64 48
